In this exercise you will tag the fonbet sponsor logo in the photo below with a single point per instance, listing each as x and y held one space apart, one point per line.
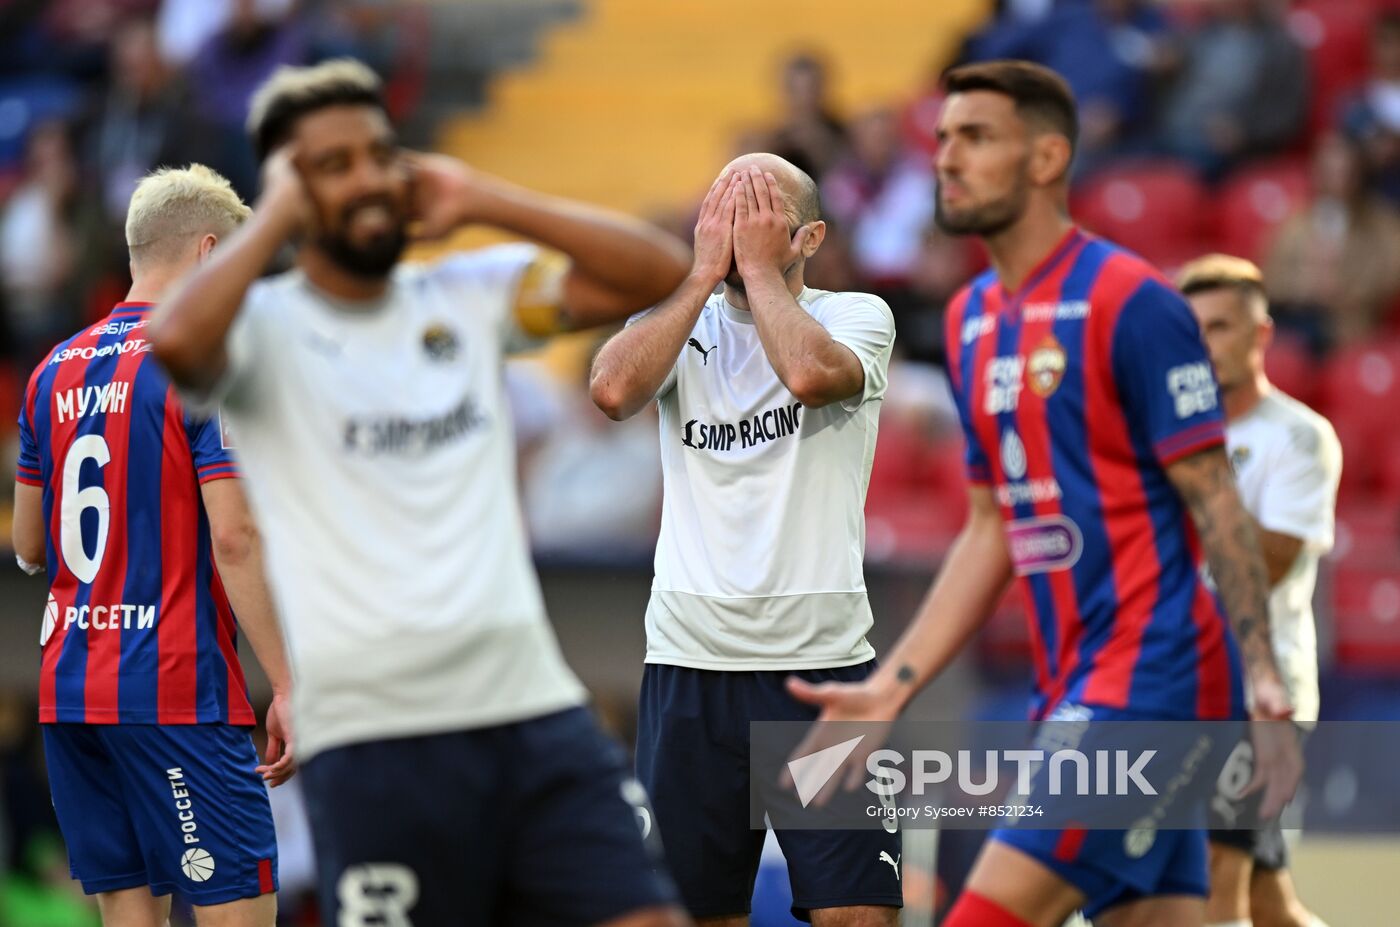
1192 388
1002 379
766 426
1044 543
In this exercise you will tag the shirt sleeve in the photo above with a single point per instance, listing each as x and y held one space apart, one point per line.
1164 377
490 281
669 383
864 324
979 470
1300 491
28 467
211 448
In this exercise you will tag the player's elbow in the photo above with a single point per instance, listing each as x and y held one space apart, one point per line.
813 389
29 549
234 541
612 398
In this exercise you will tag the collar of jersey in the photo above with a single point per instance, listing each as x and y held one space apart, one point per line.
130 308
746 318
1012 301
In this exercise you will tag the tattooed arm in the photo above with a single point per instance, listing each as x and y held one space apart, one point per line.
1231 543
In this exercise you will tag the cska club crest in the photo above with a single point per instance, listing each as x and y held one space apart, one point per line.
1045 368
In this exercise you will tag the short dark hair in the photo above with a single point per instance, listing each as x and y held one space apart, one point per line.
291 93
1038 92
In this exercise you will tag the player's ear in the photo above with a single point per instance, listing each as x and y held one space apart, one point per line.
206 246
1050 158
816 234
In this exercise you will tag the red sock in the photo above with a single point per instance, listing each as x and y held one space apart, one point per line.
972 910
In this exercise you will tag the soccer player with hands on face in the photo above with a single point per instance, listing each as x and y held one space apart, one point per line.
769 394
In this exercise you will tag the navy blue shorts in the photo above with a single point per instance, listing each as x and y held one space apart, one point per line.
693 759
531 823
176 807
1115 866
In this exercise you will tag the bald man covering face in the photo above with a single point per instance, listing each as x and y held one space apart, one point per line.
769 394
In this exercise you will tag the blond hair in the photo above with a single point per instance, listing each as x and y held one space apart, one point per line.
292 92
1225 271
172 207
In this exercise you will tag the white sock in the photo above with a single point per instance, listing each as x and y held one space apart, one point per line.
1317 922
1240 923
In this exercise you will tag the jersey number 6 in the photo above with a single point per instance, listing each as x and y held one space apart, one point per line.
76 501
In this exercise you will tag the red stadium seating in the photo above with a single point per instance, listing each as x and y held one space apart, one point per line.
917 499
1335 34
1368 529
1361 386
1256 201
1158 209
1366 615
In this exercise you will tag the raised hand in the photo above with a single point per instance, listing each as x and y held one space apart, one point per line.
285 192
761 240
841 704
714 230
445 194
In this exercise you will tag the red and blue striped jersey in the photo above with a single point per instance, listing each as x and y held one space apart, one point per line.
138 628
1075 394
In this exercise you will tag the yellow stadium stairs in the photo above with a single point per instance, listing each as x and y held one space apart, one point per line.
636 104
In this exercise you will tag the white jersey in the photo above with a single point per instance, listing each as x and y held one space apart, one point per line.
377 450
760 560
1287 462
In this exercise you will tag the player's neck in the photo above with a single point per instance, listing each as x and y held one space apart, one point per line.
1241 400
334 280
1016 252
148 288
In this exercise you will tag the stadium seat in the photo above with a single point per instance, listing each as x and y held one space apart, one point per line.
1156 208
1335 35
1368 529
1255 202
1361 388
1366 615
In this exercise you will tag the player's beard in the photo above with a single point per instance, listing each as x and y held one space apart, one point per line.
986 219
375 257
